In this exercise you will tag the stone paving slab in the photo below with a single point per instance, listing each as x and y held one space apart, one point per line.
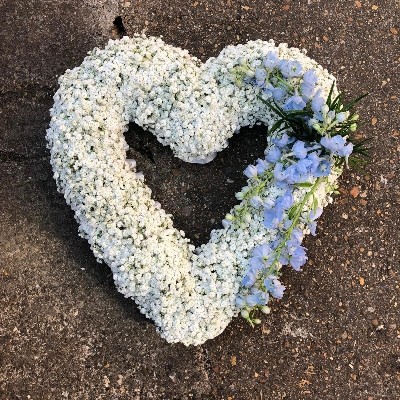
65 332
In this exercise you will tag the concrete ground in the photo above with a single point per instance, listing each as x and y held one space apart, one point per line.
65 332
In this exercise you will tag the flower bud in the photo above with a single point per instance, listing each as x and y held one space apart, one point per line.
257 321
247 217
331 115
139 176
312 122
226 223
317 127
131 163
265 310
353 127
245 314
239 195
229 217
250 73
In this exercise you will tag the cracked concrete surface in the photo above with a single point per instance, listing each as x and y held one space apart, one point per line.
64 330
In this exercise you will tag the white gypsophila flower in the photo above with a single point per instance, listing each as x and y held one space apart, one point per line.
192 107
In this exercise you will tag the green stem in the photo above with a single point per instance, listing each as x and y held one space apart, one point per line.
255 190
288 233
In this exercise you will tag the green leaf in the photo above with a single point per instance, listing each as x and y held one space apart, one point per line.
337 102
293 211
329 99
276 125
306 113
350 105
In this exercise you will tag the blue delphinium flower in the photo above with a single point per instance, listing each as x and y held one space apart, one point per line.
323 169
299 149
263 251
337 145
290 69
304 166
284 140
274 286
341 117
262 166
249 279
308 164
273 154
278 94
294 103
308 85
315 160
298 258
297 235
268 89
292 175
272 218
295 254
280 174
256 298
316 105
250 171
271 60
256 201
311 220
240 301
285 201
307 91
260 74
260 257
310 77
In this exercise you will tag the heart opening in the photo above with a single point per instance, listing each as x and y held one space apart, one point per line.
196 195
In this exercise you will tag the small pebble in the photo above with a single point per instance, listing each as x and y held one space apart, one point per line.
186 211
175 171
355 191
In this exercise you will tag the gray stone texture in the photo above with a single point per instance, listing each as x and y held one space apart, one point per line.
65 332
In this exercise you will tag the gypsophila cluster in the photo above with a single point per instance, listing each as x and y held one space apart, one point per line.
192 294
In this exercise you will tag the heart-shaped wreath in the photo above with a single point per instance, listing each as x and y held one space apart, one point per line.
192 294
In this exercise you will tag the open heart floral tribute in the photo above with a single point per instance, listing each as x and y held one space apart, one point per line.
193 293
